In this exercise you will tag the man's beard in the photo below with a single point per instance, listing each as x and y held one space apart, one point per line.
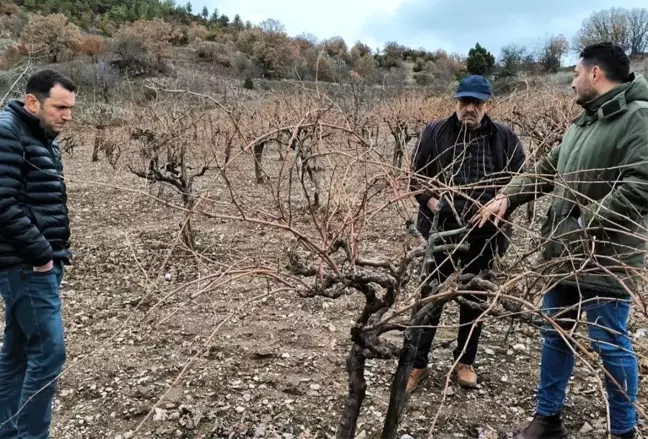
586 96
49 132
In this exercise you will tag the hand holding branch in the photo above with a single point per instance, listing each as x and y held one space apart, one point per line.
494 210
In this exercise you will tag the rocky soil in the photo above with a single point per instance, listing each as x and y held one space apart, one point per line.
216 365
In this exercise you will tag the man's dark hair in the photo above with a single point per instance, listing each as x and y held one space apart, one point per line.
41 83
611 58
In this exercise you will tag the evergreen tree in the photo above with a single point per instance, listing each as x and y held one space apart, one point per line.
237 23
480 61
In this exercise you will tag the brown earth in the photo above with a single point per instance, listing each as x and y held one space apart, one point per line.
275 368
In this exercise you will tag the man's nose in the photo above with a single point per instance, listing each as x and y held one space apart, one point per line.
66 116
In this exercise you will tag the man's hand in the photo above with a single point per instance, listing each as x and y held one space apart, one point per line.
432 204
496 208
45 268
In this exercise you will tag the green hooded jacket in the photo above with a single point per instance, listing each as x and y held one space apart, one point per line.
596 229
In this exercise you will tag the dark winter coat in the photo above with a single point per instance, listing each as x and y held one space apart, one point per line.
34 224
478 162
597 225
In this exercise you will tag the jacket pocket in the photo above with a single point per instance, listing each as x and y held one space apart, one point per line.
565 237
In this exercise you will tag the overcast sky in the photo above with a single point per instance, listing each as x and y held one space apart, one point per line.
433 24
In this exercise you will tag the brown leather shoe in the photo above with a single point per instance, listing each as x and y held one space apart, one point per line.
466 375
544 427
416 376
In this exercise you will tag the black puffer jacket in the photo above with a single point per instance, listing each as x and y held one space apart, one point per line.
436 154
34 223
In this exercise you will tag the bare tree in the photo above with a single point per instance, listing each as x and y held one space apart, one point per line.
552 52
513 59
611 25
638 22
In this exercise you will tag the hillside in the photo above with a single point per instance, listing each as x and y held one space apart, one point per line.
245 264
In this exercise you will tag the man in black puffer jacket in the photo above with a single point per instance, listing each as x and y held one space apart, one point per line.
462 160
34 247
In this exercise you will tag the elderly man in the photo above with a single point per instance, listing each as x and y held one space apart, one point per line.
34 242
595 233
464 157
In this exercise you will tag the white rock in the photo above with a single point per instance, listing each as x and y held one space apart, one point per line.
489 351
519 347
504 379
160 414
315 387
586 428
240 409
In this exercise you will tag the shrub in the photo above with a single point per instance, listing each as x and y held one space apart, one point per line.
9 8
213 35
101 77
197 33
248 84
153 36
11 56
51 36
214 52
144 44
423 79
240 63
93 46
11 25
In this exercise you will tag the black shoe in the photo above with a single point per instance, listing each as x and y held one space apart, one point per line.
544 427
628 435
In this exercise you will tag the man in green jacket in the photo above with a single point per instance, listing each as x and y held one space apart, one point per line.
595 234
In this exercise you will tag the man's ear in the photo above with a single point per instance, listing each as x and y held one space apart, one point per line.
32 104
596 73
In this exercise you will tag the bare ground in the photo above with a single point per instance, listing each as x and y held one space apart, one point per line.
276 367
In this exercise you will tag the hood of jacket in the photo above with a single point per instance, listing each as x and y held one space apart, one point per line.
615 101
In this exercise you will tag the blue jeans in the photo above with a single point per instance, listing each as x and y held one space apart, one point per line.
608 335
33 351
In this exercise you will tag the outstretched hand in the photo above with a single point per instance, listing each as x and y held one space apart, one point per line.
494 210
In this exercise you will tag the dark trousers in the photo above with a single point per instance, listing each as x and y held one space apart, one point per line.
480 257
